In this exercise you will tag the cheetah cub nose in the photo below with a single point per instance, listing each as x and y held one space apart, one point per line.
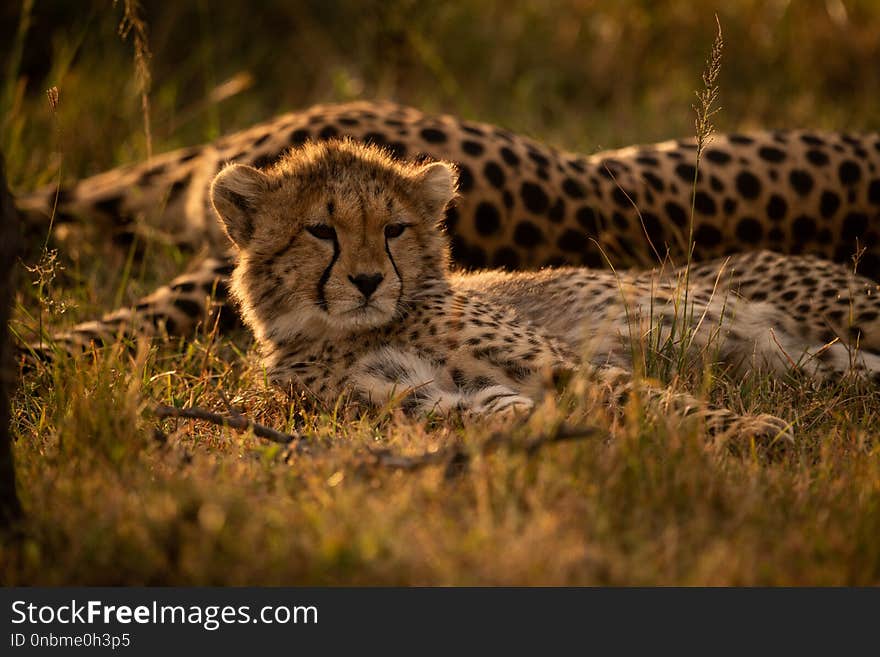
366 283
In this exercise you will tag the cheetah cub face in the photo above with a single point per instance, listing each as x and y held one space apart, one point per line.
335 238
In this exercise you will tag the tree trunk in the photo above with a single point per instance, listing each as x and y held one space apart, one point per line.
10 509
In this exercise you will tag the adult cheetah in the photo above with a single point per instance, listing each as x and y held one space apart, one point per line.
812 196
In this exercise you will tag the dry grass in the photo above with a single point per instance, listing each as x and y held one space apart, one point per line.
115 496
110 501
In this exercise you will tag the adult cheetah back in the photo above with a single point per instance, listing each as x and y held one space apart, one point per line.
524 205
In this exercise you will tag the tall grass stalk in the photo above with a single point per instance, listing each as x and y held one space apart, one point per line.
705 109
132 23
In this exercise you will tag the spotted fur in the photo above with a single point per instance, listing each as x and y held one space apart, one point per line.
523 205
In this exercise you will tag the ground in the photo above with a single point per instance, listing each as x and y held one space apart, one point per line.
114 496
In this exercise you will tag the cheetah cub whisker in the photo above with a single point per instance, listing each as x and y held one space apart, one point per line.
343 276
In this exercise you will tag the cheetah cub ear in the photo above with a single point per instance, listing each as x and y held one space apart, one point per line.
235 194
436 184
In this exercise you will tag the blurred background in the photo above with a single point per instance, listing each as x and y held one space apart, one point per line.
582 74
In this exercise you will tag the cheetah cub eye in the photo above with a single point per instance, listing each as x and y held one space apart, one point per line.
322 231
395 230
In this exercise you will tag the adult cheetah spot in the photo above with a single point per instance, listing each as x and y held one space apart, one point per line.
396 149
487 219
348 120
433 136
112 205
527 234
729 206
451 220
704 203
803 229
146 176
654 180
801 181
874 192
625 198
609 168
748 184
557 211
265 160
573 188
576 165
506 258
707 235
178 188
507 198
586 217
189 154
741 140
539 159
472 147
686 172
654 229
328 132
716 156
509 156
676 213
771 154
534 197
776 207
749 230
592 259
829 204
298 137
465 178
189 307
494 174
812 140
572 241
849 172
376 138
817 157
854 224
467 256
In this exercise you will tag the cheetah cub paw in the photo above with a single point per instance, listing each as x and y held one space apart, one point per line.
762 426
500 402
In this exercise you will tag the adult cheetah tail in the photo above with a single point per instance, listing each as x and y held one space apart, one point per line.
147 198
60 205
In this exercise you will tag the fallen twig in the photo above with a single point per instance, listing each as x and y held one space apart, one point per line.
238 422
456 458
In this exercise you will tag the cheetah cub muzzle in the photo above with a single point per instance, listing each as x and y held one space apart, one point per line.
343 277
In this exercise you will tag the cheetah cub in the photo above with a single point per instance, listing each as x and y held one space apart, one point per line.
343 277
